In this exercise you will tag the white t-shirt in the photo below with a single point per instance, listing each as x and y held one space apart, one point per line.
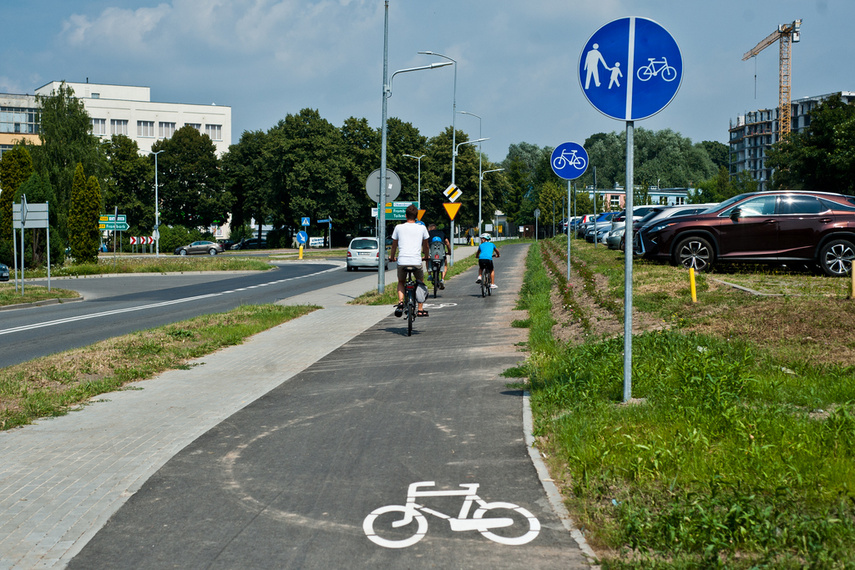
410 237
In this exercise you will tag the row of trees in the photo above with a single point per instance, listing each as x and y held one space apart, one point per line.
306 166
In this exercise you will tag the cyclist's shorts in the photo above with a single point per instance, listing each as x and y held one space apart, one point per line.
418 273
485 264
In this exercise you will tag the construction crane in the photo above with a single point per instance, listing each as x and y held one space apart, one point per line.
787 34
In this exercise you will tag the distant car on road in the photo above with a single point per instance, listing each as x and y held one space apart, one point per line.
199 247
4 272
778 226
251 243
364 252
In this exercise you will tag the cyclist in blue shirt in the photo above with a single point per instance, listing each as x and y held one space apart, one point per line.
486 252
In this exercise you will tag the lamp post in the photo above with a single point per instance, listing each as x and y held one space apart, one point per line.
387 92
479 167
453 159
419 158
480 179
156 209
453 115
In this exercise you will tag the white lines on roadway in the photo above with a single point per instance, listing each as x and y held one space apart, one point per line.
151 306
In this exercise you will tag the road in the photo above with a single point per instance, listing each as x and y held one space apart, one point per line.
121 304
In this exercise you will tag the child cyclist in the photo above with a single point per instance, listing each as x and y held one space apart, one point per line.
486 252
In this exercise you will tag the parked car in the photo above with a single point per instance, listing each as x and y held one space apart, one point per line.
251 243
614 237
4 272
199 247
781 226
364 252
663 212
601 226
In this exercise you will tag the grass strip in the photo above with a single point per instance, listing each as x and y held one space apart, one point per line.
53 385
732 459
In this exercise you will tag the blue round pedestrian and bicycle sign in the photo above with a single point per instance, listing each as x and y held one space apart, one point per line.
630 69
569 160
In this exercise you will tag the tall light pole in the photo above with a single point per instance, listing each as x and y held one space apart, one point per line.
453 159
480 179
156 209
479 168
419 158
387 92
453 114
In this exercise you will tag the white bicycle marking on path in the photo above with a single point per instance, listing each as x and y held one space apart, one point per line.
411 511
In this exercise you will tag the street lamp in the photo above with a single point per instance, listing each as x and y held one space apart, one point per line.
156 209
481 177
453 114
419 158
454 158
479 168
387 92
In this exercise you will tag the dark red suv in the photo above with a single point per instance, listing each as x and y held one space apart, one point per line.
786 226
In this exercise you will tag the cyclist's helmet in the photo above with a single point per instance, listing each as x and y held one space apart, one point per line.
486 237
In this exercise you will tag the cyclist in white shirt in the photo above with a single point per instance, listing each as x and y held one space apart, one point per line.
412 240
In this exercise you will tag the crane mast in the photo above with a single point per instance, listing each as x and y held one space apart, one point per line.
786 35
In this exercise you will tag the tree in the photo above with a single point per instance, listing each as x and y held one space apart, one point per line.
83 217
723 186
362 144
16 166
129 186
192 193
718 152
550 201
247 176
822 157
66 140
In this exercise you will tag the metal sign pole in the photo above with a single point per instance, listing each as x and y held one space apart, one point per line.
627 296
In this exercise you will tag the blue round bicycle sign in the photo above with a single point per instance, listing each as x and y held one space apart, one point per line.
569 160
630 69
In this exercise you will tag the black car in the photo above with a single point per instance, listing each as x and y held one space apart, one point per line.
779 226
251 243
4 272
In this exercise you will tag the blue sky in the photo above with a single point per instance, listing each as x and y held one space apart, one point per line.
517 59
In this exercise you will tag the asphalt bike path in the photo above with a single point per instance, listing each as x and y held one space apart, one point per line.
314 471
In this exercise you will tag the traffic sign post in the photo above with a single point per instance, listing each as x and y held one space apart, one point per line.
302 238
642 69
569 161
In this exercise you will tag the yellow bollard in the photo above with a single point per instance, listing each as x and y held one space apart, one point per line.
301 252
692 285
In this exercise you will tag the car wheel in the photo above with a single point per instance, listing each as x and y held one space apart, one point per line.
694 252
836 257
349 268
212 251
183 252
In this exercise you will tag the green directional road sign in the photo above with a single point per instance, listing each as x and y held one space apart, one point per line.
110 222
397 210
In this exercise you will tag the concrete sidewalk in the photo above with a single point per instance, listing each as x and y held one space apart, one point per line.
62 478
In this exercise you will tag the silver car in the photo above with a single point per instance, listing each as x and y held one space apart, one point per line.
364 252
201 247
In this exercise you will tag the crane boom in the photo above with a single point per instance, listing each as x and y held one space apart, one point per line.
786 34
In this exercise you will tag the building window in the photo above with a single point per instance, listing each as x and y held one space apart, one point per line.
214 131
119 127
99 127
96 95
18 120
197 126
166 130
614 201
145 128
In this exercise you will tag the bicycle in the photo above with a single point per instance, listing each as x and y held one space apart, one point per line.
436 272
412 511
562 161
410 305
485 283
653 68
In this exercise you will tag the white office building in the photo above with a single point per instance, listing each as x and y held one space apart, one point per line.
128 110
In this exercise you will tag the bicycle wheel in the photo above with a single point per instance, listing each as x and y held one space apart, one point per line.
484 286
436 278
489 285
669 73
645 73
411 313
510 535
371 520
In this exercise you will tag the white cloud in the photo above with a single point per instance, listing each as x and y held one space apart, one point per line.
116 29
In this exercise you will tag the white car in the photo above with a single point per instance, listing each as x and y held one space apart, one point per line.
364 252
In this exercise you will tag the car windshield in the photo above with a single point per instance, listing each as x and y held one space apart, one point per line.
363 244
